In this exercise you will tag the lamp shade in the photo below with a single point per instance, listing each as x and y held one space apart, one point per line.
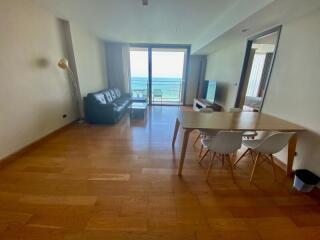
63 63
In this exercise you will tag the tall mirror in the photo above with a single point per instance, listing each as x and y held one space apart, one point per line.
260 55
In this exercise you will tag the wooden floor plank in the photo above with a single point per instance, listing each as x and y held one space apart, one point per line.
59 200
120 182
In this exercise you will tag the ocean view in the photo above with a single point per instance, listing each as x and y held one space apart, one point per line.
169 88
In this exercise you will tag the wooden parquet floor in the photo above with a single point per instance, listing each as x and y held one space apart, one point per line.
120 182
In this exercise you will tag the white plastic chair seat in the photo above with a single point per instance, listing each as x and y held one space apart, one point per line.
206 141
252 143
224 142
274 143
209 132
249 134
266 147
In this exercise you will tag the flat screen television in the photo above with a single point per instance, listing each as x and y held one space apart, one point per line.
210 89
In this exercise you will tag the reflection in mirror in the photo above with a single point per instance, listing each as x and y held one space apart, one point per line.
261 52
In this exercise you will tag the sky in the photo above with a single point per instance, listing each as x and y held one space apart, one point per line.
164 64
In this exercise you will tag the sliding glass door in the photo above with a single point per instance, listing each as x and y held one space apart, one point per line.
168 75
158 74
139 69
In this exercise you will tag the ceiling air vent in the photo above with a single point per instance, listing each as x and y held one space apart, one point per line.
145 3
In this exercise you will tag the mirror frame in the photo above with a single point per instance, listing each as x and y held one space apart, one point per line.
250 41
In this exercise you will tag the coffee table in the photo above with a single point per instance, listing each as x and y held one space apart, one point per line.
138 110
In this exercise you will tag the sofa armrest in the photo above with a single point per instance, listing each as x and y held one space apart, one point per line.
126 95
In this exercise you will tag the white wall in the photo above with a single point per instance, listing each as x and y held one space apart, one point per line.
225 67
293 92
34 93
89 54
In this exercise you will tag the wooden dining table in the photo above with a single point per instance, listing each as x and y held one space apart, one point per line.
239 121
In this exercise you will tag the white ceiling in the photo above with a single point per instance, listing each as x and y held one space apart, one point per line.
278 12
163 21
203 23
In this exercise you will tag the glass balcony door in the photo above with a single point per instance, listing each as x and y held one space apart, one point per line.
168 67
158 74
139 70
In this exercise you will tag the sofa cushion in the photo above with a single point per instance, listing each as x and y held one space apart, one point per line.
122 102
118 93
108 96
113 94
120 108
139 99
98 97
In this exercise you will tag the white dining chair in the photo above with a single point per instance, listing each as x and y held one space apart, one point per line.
204 133
224 143
246 134
265 148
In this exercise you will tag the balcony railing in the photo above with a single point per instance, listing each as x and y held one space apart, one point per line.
162 90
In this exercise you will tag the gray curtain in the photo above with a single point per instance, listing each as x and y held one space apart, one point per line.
118 66
202 76
126 67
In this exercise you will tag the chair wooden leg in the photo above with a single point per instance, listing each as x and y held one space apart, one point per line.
251 154
234 156
254 166
235 163
210 165
230 166
201 148
273 167
222 160
197 139
204 155
263 159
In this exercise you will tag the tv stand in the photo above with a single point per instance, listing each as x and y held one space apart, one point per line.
199 103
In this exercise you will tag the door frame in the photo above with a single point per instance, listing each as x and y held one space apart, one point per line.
247 60
151 46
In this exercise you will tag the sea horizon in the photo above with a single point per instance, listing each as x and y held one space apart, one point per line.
170 87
